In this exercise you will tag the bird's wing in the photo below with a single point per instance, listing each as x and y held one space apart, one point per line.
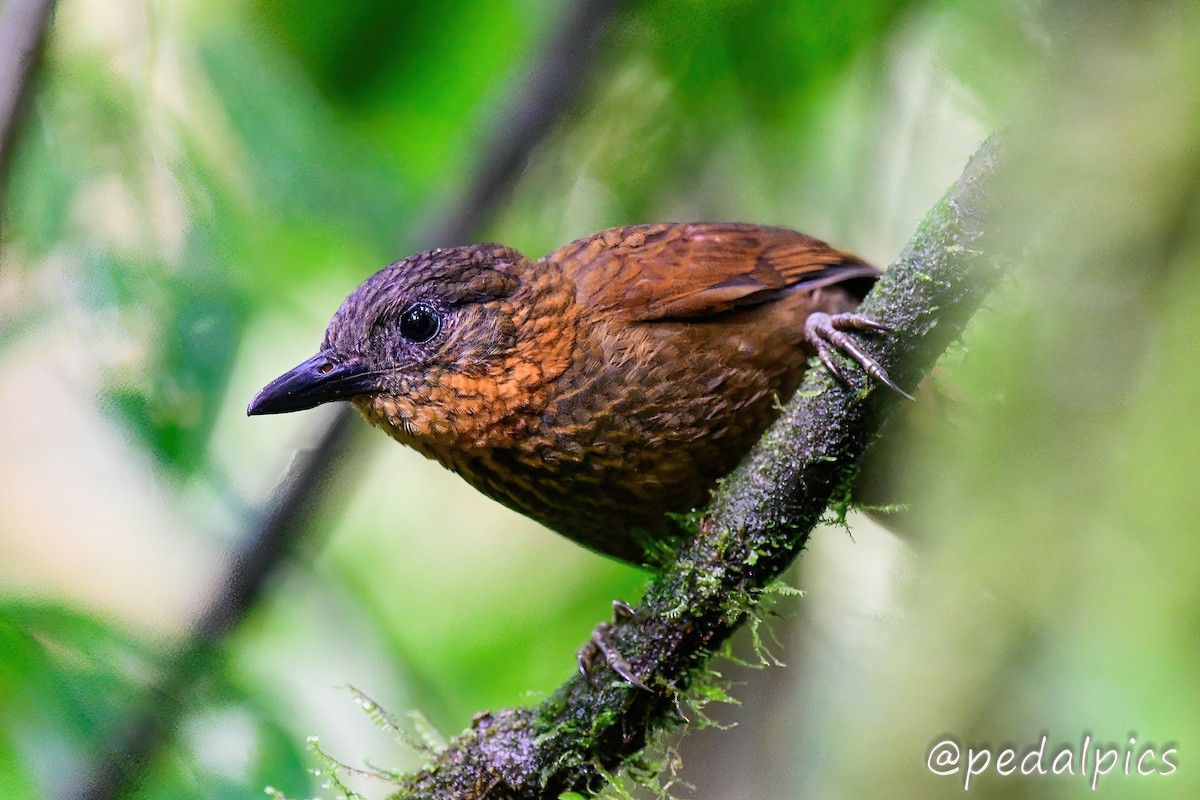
688 270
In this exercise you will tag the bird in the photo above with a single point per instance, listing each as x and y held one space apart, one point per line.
603 389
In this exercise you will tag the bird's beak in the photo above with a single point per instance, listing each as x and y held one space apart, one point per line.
325 377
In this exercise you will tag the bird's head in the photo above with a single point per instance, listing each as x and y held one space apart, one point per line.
434 348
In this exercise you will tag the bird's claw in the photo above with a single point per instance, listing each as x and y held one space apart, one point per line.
827 331
600 648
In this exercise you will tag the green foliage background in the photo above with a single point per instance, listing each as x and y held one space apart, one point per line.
201 183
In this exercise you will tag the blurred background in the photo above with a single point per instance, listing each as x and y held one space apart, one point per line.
197 185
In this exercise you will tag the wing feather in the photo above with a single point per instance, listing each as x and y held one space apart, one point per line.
688 270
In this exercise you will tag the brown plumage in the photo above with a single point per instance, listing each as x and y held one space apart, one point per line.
600 387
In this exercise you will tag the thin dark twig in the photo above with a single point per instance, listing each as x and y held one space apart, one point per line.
23 26
554 83
294 501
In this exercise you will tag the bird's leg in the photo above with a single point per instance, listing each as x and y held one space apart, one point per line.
827 331
600 647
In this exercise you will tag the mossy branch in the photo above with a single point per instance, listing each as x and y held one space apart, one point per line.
757 523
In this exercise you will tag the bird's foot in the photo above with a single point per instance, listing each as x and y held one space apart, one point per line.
827 331
600 648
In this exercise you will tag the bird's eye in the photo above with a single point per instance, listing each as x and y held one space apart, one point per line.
420 322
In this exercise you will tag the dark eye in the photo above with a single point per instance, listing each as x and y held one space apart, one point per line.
420 322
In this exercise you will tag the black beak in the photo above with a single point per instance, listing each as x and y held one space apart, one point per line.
325 377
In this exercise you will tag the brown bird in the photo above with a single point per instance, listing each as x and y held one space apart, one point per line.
601 387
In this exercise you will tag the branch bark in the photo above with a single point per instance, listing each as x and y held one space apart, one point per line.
758 522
